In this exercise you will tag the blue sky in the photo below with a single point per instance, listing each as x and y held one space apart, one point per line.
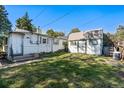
84 17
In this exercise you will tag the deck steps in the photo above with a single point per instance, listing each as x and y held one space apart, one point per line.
111 50
24 58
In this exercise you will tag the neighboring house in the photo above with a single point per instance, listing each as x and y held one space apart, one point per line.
89 42
22 42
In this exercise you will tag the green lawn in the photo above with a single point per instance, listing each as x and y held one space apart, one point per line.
64 70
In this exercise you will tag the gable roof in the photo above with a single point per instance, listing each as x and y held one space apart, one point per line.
90 34
76 36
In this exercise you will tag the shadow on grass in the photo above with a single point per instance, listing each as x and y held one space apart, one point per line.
60 74
51 54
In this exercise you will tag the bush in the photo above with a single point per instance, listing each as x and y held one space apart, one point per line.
3 83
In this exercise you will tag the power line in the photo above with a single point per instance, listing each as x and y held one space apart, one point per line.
57 19
95 19
41 12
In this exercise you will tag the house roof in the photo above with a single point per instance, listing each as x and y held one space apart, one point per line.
21 31
90 34
76 36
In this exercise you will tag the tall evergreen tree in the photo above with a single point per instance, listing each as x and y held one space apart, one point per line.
5 25
25 23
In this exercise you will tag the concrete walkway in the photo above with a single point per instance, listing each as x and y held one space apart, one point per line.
6 65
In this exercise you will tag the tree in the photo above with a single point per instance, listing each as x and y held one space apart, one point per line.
34 28
5 25
25 23
74 30
60 34
52 33
108 39
119 35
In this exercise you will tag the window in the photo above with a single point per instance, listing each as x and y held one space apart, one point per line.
28 37
82 43
93 42
73 43
44 41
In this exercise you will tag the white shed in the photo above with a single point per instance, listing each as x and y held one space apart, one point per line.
89 42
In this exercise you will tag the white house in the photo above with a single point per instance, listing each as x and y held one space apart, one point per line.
22 42
89 42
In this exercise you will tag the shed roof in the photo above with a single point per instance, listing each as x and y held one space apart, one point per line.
76 36
90 34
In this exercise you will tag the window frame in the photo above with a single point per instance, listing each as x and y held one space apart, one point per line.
74 43
93 42
45 41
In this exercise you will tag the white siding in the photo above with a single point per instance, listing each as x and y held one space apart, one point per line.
58 46
72 48
90 48
16 43
82 47
32 43
94 49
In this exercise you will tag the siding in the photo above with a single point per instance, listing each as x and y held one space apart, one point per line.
32 43
94 49
89 48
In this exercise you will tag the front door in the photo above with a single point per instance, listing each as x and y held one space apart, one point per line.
17 45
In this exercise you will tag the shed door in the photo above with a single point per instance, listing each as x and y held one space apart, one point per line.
82 46
17 45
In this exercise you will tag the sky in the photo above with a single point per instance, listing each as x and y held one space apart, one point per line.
65 17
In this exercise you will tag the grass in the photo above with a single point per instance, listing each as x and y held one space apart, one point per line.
61 70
